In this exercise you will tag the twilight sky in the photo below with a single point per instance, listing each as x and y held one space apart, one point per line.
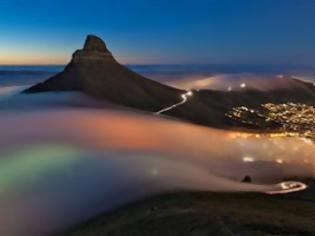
163 31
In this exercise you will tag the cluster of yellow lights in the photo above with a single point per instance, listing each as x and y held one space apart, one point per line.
236 135
245 135
284 134
293 119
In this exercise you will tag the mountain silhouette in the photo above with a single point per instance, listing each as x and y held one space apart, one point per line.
94 71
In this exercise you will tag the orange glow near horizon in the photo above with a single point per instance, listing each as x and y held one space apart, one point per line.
55 59
32 59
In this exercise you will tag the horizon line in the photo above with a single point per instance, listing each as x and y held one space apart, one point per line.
176 64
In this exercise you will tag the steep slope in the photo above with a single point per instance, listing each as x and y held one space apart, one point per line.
93 70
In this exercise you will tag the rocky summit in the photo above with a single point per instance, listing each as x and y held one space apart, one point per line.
94 71
94 50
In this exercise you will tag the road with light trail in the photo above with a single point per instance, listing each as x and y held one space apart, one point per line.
281 188
184 97
288 187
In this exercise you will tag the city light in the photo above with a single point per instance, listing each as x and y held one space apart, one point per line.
289 119
243 85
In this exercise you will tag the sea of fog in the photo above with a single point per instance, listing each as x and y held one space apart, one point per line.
184 76
65 157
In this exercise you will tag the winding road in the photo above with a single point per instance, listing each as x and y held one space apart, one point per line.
288 187
281 188
184 97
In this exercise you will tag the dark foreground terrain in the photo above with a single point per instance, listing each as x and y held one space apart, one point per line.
204 213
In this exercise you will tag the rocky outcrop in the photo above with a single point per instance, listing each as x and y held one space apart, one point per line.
94 50
93 43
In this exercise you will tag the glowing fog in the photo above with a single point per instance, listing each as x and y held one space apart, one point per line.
60 165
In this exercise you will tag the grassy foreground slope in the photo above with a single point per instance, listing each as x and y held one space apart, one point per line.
203 213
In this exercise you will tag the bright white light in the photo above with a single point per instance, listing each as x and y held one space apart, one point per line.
229 88
280 76
248 159
279 161
284 185
184 99
288 187
243 85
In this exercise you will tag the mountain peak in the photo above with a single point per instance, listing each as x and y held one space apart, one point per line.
94 43
94 50
94 71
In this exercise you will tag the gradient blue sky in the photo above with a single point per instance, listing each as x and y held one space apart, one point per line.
162 31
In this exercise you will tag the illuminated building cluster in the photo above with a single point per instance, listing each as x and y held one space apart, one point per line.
292 119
